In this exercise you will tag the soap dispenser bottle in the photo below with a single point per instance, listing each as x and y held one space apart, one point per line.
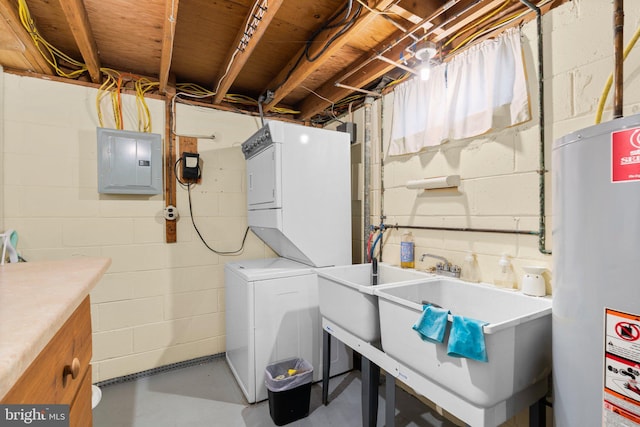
506 278
470 268
407 259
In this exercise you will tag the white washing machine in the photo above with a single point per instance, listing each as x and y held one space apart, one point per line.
298 203
272 314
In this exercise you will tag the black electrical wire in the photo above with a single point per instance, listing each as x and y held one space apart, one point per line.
187 185
327 25
329 42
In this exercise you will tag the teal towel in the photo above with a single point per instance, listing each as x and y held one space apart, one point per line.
432 323
466 339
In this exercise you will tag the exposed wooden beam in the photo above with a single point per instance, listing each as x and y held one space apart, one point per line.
306 68
419 8
235 58
314 104
374 69
168 34
462 22
8 39
526 16
31 54
415 10
171 233
78 21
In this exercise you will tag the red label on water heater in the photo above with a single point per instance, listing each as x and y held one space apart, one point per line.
625 155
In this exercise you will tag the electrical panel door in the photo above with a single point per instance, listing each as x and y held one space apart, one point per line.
129 162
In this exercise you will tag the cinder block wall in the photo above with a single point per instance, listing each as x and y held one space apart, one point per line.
498 170
158 303
161 303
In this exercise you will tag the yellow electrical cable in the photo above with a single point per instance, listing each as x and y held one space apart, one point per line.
115 107
348 99
194 89
282 110
607 86
102 92
51 54
43 46
142 87
240 99
497 25
493 27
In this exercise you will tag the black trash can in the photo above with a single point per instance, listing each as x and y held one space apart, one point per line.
289 388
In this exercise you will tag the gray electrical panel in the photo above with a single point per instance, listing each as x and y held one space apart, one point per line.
129 162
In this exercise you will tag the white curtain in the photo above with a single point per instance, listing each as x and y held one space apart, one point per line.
481 89
419 118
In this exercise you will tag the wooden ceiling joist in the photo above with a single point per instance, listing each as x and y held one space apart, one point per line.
306 67
469 19
259 57
368 69
168 35
31 53
236 59
78 21
313 104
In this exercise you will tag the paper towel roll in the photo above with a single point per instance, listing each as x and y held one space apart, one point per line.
447 181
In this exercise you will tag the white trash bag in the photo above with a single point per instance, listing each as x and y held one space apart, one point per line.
288 374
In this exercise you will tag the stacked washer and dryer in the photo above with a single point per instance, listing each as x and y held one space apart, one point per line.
299 203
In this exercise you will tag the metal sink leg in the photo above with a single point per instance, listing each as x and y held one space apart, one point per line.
326 365
370 381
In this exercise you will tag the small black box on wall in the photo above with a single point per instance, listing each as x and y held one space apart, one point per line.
350 128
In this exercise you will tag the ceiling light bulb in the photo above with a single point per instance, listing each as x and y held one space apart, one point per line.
425 71
425 50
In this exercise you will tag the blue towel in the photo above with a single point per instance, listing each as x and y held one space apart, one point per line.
432 323
466 339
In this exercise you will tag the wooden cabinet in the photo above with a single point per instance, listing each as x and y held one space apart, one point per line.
61 373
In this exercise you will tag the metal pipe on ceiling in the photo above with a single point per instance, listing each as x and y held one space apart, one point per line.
395 64
409 33
357 89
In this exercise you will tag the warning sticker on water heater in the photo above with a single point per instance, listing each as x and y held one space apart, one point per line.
621 369
625 155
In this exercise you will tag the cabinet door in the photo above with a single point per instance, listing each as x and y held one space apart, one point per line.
48 379
80 412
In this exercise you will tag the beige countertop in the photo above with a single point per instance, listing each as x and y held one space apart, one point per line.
36 298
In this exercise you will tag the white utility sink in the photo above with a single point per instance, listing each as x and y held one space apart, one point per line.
346 295
517 338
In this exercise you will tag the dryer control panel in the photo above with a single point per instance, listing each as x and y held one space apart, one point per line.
258 142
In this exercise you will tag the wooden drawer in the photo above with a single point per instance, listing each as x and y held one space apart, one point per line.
48 379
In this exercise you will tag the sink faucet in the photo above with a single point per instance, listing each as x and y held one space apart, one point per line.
444 268
441 258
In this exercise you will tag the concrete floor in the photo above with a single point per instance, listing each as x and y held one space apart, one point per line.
208 395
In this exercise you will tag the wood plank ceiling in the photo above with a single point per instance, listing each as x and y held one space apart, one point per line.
303 59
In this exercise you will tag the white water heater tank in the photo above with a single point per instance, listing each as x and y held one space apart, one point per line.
596 294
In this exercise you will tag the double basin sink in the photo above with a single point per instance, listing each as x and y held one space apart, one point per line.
517 336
